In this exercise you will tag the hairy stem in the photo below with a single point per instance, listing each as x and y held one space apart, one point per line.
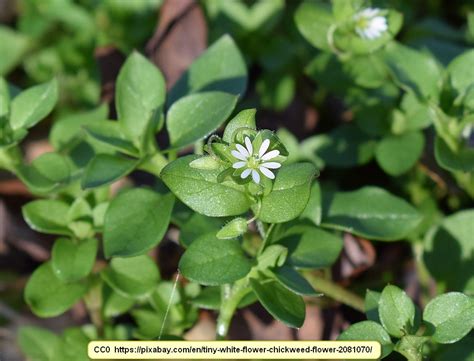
230 299
336 292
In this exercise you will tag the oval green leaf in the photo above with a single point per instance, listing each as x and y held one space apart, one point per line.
33 104
451 316
281 303
212 261
289 195
73 260
200 190
208 111
48 296
106 168
132 277
136 221
396 154
368 331
396 311
47 216
369 212
311 247
206 73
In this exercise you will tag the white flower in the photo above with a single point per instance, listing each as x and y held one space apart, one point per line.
370 24
255 162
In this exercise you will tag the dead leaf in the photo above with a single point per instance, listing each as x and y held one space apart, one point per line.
180 37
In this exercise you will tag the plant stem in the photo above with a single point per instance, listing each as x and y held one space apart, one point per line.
154 164
230 299
334 291
265 234
9 158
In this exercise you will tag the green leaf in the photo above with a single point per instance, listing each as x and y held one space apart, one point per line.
396 311
140 96
4 98
53 166
110 133
461 73
244 119
461 160
197 225
132 277
73 260
212 261
47 216
292 280
273 256
461 350
414 69
209 298
114 304
371 304
346 146
450 317
368 331
33 104
310 247
48 296
207 72
105 169
198 115
13 48
313 19
281 303
37 343
397 154
448 252
313 210
67 129
149 323
136 221
235 228
369 212
200 190
73 346
289 195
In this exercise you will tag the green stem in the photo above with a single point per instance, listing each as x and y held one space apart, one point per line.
265 234
336 292
230 299
10 158
199 147
154 164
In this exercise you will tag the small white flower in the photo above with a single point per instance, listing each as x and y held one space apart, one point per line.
255 162
370 24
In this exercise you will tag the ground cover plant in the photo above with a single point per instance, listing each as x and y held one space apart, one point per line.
311 164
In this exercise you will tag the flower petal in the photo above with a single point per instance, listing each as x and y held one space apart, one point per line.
255 176
264 147
239 155
267 173
245 173
248 143
271 155
271 165
238 165
242 150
